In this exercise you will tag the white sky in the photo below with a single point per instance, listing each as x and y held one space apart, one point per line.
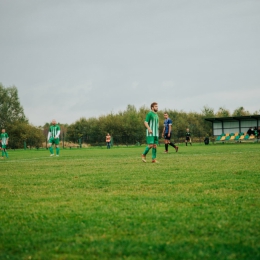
85 58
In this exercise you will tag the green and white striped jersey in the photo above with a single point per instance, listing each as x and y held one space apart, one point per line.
153 121
4 137
54 131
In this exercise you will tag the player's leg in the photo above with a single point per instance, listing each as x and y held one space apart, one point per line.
57 150
150 141
154 150
172 144
166 143
146 151
57 142
5 151
50 146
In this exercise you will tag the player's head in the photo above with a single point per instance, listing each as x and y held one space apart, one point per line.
3 130
53 122
154 106
187 129
107 133
165 115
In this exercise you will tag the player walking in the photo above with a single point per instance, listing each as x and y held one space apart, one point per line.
167 133
4 142
152 132
53 137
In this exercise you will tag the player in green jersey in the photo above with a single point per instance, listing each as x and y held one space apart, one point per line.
4 142
53 137
152 132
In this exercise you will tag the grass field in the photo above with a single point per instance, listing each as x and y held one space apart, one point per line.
200 203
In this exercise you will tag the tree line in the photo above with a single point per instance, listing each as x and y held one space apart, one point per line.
125 126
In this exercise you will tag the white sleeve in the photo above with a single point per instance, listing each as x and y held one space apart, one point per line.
58 134
49 134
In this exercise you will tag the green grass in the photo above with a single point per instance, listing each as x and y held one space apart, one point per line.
200 203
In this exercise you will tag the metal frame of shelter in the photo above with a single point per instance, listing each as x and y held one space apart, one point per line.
233 124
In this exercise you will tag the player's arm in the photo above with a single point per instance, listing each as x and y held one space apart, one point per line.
49 135
170 130
58 134
163 131
148 127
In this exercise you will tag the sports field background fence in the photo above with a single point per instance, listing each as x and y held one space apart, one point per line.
99 140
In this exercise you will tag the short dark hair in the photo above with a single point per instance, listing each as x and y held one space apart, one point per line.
153 104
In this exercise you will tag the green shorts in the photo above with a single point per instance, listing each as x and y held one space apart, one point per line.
152 139
54 141
4 146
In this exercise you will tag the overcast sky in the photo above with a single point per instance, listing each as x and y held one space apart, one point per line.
86 58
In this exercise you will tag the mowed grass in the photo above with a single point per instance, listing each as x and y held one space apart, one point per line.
200 203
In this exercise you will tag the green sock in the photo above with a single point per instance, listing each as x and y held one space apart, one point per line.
153 153
57 150
6 154
147 149
3 153
51 150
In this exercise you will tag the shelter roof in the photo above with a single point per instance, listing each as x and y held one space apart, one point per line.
233 118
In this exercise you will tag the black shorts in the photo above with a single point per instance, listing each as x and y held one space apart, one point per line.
166 137
187 138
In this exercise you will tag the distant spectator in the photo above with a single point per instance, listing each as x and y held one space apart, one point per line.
250 131
206 140
188 136
108 140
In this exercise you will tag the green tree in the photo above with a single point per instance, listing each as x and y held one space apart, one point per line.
208 112
10 108
240 112
222 112
128 126
21 132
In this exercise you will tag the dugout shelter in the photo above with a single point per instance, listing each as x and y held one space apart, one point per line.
233 124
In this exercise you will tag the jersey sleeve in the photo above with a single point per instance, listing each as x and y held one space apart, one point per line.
58 132
147 118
